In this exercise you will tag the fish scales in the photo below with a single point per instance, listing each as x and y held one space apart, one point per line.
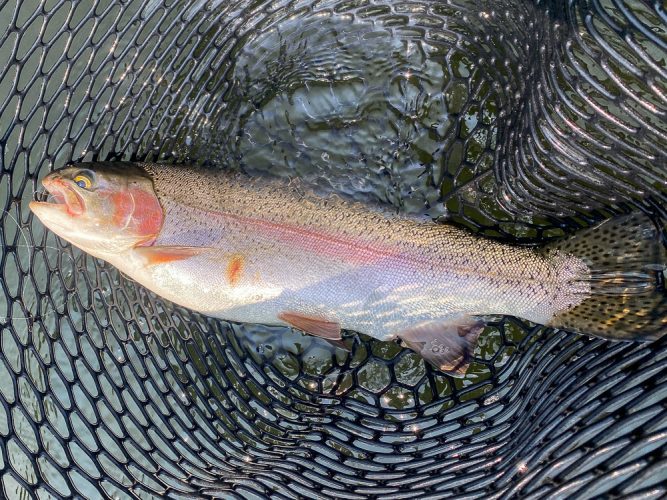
270 252
368 270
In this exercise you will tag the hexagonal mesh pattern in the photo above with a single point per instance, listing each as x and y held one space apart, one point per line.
519 119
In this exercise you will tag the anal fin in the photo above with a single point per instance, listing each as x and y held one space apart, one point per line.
447 345
319 327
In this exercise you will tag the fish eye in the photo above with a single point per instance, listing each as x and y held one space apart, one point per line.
84 179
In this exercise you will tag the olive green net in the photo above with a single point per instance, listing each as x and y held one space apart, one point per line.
522 120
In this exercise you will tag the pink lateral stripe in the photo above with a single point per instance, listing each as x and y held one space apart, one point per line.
361 253
343 248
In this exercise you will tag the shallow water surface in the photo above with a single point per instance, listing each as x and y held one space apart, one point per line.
459 111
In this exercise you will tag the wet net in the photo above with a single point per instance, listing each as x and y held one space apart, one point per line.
522 120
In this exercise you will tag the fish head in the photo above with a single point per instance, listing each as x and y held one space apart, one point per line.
104 209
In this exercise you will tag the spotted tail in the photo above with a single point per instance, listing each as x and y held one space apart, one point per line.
626 297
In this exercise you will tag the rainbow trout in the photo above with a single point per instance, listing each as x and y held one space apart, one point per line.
255 251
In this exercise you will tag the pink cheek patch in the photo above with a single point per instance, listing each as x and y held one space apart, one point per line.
123 206
135 212
148 215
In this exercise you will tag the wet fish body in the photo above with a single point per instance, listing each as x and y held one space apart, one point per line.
265 252
274 249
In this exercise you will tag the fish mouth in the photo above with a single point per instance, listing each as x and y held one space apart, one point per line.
63 197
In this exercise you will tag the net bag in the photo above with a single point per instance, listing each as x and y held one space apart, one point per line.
517 119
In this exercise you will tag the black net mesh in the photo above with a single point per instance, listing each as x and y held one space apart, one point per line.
518 119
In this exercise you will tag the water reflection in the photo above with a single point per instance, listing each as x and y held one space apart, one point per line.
353 105
398 103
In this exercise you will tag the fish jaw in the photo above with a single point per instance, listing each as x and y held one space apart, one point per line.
65 195
53 215
67 205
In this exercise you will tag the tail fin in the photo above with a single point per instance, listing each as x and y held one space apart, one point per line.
627 262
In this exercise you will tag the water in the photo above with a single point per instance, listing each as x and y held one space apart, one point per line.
361 112
400 104
362 106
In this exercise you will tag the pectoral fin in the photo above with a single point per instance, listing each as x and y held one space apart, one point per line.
319 327
154 255
446 345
